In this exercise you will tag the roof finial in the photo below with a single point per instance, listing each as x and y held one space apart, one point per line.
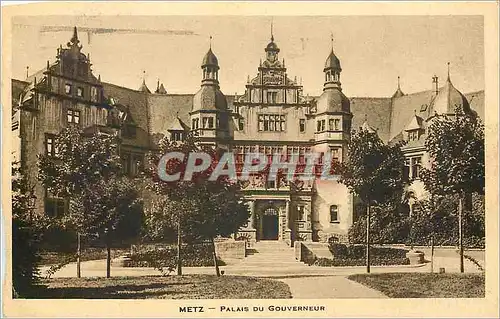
143 76
399 84
415 112
272 36
210 43
366 117
74 38
448 71
331 38
27 71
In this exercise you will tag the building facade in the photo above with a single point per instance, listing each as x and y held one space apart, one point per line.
272 116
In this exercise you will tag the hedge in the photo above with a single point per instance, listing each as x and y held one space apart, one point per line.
354 255
166 257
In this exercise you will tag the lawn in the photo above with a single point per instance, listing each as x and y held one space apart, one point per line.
168 287
425 285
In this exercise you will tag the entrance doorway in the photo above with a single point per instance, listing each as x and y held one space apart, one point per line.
270 225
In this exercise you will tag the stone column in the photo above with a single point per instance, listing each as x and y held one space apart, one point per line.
288 231
252 215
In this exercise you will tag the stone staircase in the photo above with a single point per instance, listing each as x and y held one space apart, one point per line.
269 258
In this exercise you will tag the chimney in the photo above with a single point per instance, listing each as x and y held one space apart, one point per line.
435 84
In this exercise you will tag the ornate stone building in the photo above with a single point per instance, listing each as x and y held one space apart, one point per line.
272 116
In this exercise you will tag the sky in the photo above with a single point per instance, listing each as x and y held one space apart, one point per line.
373 50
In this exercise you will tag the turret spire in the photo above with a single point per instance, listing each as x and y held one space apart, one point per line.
74 39
272 36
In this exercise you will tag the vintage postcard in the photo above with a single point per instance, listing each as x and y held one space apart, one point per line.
250 159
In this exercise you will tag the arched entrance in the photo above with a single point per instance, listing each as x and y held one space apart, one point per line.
270 224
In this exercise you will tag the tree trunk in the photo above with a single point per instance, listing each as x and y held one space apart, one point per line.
411 226
78 255
217 271
179 244
368 238
432 252
108 255
460 233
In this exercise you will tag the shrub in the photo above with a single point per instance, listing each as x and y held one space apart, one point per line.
165 259
25 258
354 255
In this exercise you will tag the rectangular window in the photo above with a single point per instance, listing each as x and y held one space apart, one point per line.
302 125
272 97
73 116
413 135
272 122
330 124
334 214
50 145
79 92
321 125
406 170
300 213
241 124
270 184
208 122
415 167
336 124
67 88
55 207
93 94
195 124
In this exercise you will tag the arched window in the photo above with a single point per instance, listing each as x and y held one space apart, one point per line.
334 214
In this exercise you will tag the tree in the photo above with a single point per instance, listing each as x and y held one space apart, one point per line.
86 171
198 208
104 208
372 171
27 231
455 145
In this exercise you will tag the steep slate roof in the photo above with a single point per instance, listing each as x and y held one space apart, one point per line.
155 113
377 110
403 109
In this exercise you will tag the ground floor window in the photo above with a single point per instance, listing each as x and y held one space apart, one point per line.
55 207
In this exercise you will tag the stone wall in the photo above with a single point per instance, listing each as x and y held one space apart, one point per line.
230 249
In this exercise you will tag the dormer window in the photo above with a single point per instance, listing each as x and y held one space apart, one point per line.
413 135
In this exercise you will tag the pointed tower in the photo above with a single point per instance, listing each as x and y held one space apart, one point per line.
398 92
209 114
448 99
144 88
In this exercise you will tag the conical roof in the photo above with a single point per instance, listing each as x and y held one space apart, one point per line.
144 87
